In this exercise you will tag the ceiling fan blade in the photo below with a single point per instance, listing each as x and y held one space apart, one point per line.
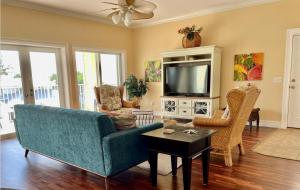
113 13
110 3
109 9
144 6
138 15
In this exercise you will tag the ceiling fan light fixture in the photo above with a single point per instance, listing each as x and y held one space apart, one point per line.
128 16
127 22
129 10
116 18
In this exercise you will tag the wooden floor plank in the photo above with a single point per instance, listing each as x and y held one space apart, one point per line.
249 172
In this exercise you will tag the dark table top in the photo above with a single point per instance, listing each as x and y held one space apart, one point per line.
179 135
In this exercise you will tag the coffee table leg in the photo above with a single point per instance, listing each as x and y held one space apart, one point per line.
174 165
205 165
153 167
186 172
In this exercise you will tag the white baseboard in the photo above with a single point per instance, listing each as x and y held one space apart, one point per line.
268 123
263 123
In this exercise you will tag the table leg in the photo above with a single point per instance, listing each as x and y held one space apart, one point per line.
186 172
153 167
174 165
257 122
205 165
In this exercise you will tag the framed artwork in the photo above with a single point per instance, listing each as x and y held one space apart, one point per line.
248 66
153 71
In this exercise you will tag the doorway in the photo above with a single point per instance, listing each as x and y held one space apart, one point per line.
291 100
28 75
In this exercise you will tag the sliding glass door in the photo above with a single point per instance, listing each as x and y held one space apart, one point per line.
11 90
111 69
87 78
45 77
28 75
94 69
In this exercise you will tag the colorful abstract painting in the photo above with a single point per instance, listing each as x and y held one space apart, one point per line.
248 66
152 71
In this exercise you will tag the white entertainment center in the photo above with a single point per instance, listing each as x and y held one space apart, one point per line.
182 106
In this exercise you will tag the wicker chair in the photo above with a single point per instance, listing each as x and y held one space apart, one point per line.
125 104
229 130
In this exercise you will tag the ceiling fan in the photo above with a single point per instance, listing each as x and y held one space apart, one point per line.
128 10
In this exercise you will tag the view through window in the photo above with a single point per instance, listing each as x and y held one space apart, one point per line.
27 75
94 69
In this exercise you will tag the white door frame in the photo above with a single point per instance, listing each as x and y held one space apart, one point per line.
61 60
287 75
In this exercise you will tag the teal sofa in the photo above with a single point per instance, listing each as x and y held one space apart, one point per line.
84 139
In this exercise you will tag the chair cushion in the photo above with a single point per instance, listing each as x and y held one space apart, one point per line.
226 113
110 97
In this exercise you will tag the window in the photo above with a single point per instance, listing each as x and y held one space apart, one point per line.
110 69
94 69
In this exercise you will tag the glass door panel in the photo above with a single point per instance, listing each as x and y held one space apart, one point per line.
44 78
11 90
110 69
87 78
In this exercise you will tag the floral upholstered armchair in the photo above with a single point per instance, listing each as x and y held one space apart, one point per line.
110 99
230 126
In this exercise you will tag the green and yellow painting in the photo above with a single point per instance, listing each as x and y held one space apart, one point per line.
153 71
248 66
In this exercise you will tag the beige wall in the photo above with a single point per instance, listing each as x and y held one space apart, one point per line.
26 24
255 29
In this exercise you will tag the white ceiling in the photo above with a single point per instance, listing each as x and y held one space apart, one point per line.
167 10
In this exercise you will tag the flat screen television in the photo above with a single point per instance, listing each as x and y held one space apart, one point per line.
187 79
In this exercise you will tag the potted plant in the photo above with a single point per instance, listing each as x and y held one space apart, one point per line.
191 37
136 88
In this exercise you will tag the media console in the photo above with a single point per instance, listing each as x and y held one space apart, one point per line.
188 107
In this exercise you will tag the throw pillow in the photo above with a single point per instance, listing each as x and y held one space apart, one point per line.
110 97
124 121
226 113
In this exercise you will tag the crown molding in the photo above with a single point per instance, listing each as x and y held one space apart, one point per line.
34 6
63 12
206 12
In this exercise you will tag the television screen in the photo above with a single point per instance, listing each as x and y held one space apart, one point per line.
187 79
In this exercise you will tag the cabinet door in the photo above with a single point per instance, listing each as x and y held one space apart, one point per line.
169 106
201 108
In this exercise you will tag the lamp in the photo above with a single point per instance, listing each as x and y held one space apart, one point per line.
128 10
125 17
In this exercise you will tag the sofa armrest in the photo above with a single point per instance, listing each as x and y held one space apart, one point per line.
125 149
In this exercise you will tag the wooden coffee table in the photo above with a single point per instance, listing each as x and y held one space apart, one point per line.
180 144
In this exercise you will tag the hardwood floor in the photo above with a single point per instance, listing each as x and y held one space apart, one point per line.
252 171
